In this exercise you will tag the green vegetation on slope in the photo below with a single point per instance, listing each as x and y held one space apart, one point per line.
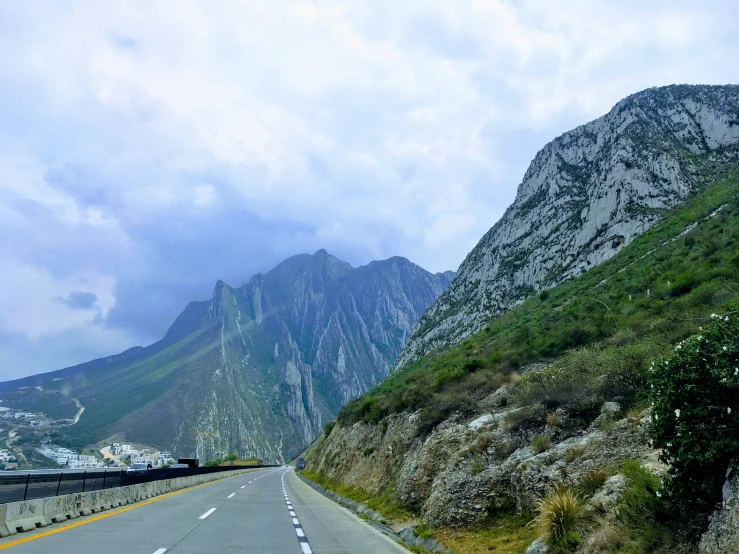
696 409
613 320
382 503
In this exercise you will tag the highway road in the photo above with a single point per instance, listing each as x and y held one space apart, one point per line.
263 511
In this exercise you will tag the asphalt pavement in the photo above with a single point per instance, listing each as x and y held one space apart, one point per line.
261 511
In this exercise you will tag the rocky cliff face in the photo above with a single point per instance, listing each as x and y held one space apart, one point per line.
257 370
467 467
723 531
585 196
294 345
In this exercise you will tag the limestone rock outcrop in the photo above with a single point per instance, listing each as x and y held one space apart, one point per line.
585 196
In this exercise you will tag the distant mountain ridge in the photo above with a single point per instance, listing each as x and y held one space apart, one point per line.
586 195
257 369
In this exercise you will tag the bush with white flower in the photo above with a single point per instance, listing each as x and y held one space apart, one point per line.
695 418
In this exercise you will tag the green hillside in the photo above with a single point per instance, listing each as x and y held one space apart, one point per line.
611 321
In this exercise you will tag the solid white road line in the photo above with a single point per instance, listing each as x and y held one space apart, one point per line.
206 514
160 551
242 486
231 495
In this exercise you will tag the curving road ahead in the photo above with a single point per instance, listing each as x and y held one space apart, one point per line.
263 511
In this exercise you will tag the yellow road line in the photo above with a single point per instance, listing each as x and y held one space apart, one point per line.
110 513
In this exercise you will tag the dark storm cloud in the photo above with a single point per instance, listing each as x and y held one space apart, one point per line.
80 300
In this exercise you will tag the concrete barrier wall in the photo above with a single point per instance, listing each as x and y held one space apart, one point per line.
19 517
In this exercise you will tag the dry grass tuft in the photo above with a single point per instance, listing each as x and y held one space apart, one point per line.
553 420
560 514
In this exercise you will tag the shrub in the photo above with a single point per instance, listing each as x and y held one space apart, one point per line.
482 443
695 419
558 518
329 427
477 465
526 418
503 449
591 483
541 443
553 420
424 531
473 365
640 500
647 523
573 454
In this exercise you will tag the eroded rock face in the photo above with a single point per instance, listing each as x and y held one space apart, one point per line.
585 196
464 468
299 342
722 536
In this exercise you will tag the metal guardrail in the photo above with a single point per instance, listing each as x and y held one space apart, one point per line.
17 486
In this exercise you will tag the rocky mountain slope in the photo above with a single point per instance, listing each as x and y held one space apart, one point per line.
257 370
585 196
556 393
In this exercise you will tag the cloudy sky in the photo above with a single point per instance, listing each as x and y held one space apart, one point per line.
150 148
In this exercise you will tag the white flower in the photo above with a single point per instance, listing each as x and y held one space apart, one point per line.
728 411
659 494
656 417
713 316
724 349
677 413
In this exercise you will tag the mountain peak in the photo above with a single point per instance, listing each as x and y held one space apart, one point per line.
586 195
287 349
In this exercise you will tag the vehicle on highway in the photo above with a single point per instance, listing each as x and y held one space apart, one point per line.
138 469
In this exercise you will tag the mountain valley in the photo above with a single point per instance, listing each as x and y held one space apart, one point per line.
257 370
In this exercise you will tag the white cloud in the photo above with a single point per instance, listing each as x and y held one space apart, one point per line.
30 300
138 138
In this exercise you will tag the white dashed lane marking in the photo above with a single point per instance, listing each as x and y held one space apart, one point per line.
302 539
231 495
206 514
160 551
